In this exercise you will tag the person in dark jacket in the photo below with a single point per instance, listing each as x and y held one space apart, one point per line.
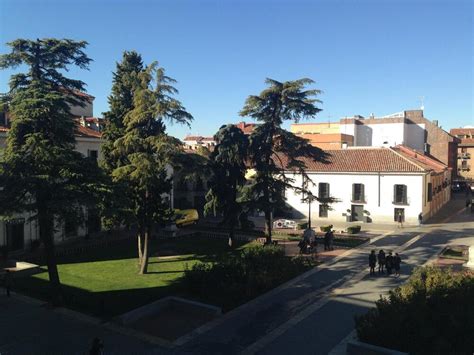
326 240
396 264
372 262
331 240
389 263
381 260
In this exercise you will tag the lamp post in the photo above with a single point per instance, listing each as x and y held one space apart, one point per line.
310 199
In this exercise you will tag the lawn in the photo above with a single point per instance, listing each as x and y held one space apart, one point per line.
105 282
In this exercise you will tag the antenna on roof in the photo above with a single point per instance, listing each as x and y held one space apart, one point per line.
422 100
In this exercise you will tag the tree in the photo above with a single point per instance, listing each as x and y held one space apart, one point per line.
146 152
273 149
114 206
228 165
40 172
120 103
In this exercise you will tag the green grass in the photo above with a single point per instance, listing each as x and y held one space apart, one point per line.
105 282
454 253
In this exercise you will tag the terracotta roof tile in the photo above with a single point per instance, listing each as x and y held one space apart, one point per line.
82 131
363 160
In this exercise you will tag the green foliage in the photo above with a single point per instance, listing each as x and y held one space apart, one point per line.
273 149
326 228
432 313
303 225
354 229
239 278
40 171
228 166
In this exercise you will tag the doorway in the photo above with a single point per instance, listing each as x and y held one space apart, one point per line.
15 234
398 211
357 213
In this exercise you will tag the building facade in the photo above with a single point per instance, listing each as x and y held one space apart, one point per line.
465 153
373 185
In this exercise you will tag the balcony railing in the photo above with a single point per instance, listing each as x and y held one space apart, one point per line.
401 201
359 198
466 155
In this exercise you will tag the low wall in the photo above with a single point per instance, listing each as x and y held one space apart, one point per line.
355 347
167 302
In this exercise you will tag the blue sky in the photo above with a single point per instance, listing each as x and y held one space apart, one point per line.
373 56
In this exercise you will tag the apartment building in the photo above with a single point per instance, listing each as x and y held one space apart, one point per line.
465 153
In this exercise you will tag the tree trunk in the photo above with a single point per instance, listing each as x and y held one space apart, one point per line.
140 251
45 223
268 226
144 262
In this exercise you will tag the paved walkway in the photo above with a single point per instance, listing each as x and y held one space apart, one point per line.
316 312
312 315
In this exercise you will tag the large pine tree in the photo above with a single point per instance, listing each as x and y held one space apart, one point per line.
227 162
147 152
40 171
272 148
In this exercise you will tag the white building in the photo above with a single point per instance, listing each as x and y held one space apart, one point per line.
373 184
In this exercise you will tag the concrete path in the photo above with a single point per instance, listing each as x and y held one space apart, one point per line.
316 311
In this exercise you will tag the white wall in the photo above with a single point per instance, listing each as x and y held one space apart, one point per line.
415 136
84 144
341 188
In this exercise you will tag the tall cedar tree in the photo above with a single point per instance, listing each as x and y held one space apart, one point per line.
273 149
120 104
147 152
40 171
227 164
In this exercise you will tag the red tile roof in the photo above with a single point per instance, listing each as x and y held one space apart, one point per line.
466 142
425 161
82 131
364 160
462 131
247 128
199 138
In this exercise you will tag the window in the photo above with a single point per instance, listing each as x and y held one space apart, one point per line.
358 192
464 165
93 154
400 194
323 211
323 190
3 119
430 191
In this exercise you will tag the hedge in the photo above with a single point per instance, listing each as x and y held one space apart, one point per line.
353 229
433 313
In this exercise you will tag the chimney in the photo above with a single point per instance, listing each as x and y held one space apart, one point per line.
344 145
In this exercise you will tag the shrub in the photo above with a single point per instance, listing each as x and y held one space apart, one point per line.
353 229
303 225
241 277
432 313
326 228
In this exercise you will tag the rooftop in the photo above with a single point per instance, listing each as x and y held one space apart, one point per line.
368 159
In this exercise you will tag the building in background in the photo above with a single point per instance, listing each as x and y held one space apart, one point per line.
373 185
465 153
408 128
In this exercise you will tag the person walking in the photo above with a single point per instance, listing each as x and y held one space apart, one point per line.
381 260
420 219
326 240
396 264
331 240
400 220
389 263
372 262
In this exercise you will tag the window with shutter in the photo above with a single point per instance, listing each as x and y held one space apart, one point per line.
323 190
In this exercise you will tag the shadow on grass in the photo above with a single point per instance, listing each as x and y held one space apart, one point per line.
203 249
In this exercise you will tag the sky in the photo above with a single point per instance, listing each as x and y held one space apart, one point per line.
367 56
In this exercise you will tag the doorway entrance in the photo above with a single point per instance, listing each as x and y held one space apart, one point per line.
357 213
15 234
398 211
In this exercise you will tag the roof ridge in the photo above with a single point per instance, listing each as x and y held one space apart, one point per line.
405 158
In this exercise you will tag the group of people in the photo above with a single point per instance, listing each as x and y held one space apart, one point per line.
389 262
308 244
